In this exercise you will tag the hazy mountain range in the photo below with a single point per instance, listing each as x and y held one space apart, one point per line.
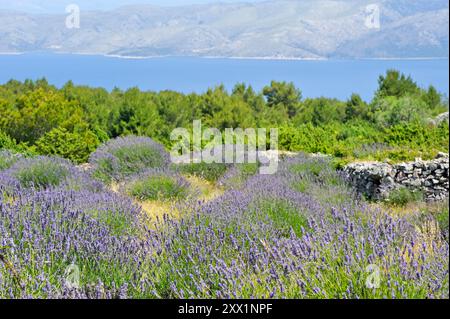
271 29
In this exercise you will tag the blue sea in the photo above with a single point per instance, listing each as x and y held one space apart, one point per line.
329 78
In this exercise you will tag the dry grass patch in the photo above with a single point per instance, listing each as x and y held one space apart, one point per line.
208 190
411 208
157 209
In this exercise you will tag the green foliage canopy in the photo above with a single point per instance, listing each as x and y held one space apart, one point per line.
73 120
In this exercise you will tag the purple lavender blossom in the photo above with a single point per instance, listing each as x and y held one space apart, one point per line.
125 156
235 246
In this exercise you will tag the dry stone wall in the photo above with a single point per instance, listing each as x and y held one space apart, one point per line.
376 180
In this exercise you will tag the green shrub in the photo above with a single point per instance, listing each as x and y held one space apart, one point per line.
74 146
157 186
418 134
8 143
364 140
403 196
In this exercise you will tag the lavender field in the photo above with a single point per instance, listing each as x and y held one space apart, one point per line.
131 225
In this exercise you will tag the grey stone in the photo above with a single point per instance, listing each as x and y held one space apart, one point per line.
376 179
441 154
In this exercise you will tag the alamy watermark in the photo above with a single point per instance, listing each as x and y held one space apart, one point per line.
231 146
74 17
373 14
72 277
373 280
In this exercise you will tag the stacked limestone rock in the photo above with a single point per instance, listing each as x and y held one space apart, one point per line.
376 180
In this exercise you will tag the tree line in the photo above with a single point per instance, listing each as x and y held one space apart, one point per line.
72 121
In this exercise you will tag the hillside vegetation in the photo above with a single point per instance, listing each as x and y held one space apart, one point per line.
72 121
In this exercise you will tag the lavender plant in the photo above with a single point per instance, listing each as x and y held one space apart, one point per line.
233 248
157 185
43 234
265 239
43 172
126 156
7 159
211 172
238 174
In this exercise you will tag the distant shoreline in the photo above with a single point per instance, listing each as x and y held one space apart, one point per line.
126 57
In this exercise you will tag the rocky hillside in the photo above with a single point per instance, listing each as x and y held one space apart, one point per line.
283 29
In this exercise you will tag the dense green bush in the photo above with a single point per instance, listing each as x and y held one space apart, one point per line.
366 141
74 146
8 143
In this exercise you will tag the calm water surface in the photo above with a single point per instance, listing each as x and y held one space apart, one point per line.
333 78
